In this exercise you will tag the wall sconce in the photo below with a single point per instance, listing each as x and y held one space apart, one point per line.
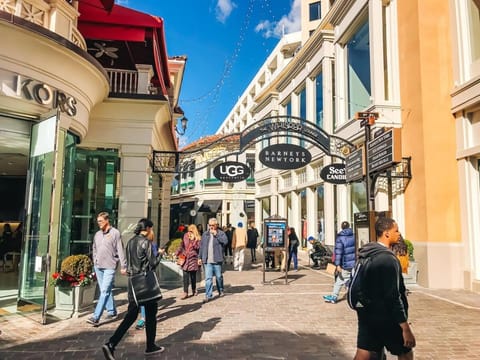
183 124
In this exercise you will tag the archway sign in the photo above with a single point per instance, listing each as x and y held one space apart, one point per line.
179 162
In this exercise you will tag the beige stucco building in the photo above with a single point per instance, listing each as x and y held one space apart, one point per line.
79 119
415 64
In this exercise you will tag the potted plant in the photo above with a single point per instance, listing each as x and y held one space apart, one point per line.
412 272
74 285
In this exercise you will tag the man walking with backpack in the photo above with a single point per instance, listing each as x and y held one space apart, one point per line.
378 294
344 260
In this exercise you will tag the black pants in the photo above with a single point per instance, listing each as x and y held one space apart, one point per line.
253 253
227 250
189 276
131 316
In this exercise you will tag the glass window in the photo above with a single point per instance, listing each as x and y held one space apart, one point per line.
302 100
334 98
358 71
474 27
320 212
265 207
94 189
315 11
359 197
319 100
288 112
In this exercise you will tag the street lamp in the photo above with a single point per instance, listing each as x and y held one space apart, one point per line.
183 122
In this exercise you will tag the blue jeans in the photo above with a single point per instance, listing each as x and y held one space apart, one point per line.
105 278
210 271
293 255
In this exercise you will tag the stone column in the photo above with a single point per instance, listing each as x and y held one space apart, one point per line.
164 194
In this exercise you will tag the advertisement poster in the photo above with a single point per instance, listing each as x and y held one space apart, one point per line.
276 233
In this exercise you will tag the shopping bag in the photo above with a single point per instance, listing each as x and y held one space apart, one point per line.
331 268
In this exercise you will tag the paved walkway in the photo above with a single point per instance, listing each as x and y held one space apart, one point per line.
255 321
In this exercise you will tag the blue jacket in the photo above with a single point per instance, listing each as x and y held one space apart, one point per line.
219 242
345 249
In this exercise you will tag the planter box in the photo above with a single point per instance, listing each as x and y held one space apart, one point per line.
170 273
72 301
412 273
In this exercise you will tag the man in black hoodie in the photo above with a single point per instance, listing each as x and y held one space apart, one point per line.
383 322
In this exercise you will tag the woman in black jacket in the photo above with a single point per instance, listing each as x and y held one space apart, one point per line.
140 258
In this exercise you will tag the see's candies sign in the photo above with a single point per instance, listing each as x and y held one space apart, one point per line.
334 174
231 171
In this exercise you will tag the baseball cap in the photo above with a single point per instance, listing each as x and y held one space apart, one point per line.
311 238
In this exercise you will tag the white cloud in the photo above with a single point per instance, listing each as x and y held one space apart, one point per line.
287 24
223 10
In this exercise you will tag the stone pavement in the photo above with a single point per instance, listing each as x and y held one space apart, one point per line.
255 321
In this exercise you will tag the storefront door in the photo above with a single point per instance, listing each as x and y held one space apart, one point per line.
33 284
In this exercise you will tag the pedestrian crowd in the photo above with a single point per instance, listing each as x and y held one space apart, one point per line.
381 303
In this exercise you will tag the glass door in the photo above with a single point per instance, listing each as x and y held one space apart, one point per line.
32 297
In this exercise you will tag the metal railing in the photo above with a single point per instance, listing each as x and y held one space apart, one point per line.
123 81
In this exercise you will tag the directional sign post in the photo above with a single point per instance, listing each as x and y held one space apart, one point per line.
354 165
384 151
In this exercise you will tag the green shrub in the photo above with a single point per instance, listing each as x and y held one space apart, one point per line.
75 270
410 249
76 265
172 246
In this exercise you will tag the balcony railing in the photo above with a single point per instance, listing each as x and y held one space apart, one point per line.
123 81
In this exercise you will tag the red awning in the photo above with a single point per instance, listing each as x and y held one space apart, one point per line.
108 4
125 24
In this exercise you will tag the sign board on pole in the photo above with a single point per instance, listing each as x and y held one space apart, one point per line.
384 151
354 167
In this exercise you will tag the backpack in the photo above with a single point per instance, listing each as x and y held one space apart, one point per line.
356 294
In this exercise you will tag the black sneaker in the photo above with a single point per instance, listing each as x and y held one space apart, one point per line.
155 350
93 321
108 351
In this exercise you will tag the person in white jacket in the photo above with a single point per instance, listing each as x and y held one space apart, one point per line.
239 242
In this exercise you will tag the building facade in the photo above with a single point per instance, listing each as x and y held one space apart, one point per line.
80 118
414 64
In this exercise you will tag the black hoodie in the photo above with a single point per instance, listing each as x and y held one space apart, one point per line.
384 284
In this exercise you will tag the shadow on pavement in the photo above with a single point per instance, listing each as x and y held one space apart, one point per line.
192 342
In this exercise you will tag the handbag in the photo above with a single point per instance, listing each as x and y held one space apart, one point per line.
145 287
181 258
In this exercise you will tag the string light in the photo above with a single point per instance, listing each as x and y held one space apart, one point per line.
213 95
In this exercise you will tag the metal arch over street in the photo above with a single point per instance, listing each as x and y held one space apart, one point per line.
179 162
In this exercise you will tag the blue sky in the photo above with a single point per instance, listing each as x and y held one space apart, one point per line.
226 42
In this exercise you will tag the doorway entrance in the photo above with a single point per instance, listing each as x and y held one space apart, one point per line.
14 152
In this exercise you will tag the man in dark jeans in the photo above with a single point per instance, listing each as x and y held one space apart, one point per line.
228 248
383 321
252 238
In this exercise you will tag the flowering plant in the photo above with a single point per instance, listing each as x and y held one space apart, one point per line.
76 270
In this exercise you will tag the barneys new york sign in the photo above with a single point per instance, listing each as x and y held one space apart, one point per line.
285 156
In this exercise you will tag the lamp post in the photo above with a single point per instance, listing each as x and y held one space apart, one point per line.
183 123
